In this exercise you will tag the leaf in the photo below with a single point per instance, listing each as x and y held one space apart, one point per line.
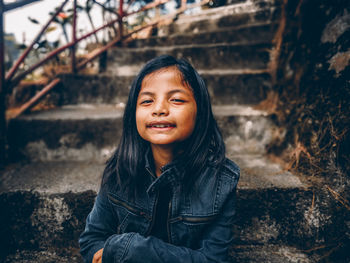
62 15
50 29
33 20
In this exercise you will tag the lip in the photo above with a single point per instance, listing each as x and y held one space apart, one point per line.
161 125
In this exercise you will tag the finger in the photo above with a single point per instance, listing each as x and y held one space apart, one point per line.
98 256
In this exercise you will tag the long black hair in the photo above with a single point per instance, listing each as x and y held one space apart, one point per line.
126 166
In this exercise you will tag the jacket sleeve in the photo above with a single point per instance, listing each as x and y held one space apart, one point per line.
133 247
100 225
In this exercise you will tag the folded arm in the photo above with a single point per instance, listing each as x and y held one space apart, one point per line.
133 247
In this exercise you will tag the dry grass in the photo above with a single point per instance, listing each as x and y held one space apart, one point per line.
339 198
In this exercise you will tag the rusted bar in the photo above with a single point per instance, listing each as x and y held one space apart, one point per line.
15 67
120 18
2 90
148 6
74 37
18 3
33 101
57 51
99 51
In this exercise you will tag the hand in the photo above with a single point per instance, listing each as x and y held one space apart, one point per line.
98 256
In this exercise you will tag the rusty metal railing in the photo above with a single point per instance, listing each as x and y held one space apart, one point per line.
13 77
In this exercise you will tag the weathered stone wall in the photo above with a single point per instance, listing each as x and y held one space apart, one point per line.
313 86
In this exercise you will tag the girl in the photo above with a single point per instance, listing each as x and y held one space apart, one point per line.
168 192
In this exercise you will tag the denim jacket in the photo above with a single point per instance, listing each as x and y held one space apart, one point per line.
199 222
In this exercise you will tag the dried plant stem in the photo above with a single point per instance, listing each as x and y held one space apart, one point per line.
339 198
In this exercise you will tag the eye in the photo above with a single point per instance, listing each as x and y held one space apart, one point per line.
178 100
146 102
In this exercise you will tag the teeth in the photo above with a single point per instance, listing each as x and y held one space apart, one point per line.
161 126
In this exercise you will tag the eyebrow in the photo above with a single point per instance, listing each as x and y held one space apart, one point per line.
169 93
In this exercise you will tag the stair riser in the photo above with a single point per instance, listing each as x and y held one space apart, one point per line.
76 89
38 221
250 16
65 140
224 89
34 220
204 57
247 35
238 89
95 139
305 218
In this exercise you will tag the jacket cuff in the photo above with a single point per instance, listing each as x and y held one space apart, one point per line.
116 246
91 252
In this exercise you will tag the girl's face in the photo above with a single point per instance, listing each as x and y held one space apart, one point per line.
166 108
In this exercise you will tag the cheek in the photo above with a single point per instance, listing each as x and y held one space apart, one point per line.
139 121
190 120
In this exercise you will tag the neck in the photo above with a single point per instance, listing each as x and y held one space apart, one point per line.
162 156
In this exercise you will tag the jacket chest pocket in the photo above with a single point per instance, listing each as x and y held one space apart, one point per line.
189 230
130 218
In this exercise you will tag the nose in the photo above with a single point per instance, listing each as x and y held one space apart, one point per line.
160 108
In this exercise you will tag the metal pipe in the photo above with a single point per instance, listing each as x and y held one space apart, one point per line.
33 101
96 53
99 51
121 16
15 67
56 52
3 128
74 37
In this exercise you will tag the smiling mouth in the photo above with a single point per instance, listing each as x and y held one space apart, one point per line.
161 125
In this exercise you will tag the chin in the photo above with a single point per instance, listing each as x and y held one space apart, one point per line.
162 142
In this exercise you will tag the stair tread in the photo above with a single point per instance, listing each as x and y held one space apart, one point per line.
133 70
220 30
257 172
196 45
68 255
247 253
254 33
113 111
233 9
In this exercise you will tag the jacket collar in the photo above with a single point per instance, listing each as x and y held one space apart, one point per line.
172 173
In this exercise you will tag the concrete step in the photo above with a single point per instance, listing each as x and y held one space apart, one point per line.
51 255
225 87
204 57
247 13
271 254
239 254
91 132
48 205
257 33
